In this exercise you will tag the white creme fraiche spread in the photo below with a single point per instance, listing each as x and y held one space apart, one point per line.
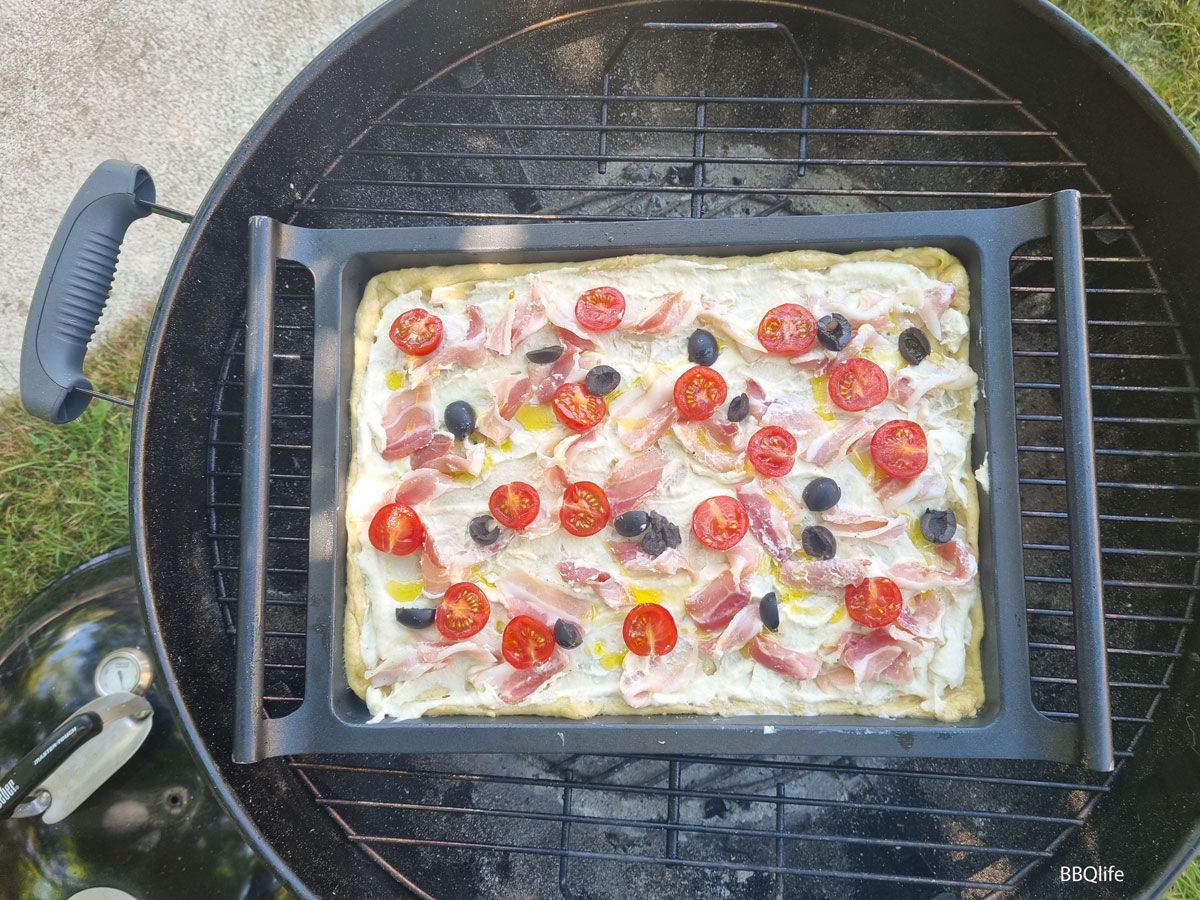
811 621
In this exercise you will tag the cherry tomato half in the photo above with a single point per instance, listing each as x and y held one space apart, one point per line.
585 508
417 332
650 630
874 602
396 529
720 522
900 449
699 391
526 641
600 309
788 329
772 450
514 505
576 408
857 384
463 611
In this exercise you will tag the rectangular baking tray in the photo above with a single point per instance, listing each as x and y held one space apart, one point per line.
331 719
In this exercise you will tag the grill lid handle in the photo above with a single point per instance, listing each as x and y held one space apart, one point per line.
73 288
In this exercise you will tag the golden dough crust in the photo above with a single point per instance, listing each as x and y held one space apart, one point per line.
965 700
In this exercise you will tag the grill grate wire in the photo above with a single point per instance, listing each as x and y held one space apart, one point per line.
760 827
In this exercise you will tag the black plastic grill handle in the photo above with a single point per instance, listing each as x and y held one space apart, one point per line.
74 286
36 765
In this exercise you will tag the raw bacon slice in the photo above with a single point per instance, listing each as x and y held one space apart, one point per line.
868 655
434 573
931 305
560 310
440 653
767 523
715 604
546 379
794 663
846 522
514 685
643 417
823 574
631 555
918 577
467 350
744 625
634 478
920 615
520 321
833 445
744 558
407 421
914 382
525 595
758 398
510 392
439 454
837 680
419 486
895 493
613 591
672 314
561 454
876 309
493 427
644 676
865 336
398 668
697 440
801 422
729 323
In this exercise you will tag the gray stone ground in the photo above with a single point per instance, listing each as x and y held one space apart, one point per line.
170 84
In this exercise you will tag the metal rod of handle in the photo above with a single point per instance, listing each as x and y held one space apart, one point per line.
1087 590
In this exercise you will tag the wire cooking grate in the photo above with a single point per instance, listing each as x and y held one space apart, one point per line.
686 123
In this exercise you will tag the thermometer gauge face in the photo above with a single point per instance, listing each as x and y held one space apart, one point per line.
123 671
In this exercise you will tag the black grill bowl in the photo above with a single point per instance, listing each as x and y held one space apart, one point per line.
432 113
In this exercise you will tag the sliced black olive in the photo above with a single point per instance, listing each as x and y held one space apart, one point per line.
739 408
938 525
768 611
601 380
821 493
567 634
818 542
544 355
632 523
914 345
460 419
834 331
702 348
484 530
415 617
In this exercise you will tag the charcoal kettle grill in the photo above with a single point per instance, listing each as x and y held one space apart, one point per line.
514 112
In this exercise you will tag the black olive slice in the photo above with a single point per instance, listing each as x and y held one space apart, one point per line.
702 348
821 493
415 616
460 419
601 380
818 542
914 345
632 523
938 525
484 530
768 611
567 634
544 355
834 331
739 408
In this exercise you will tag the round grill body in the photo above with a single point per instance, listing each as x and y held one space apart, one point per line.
506 111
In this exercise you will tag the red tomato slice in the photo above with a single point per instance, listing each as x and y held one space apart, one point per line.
699 391
857 384
585 508
463 611
417 332
396 529
874 602
576 408
720 522
772 450
526 641
600 309
788 329
900 449
514 505
650 630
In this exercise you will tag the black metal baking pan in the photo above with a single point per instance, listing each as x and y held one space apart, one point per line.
332 719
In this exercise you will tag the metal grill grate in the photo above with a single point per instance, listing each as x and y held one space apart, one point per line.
699 122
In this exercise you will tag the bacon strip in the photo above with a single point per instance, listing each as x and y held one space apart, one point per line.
440 454
895 493
419 486
846 522
643 417
546 379
920 616
758 398
729 323
613 591
672 314
744 625
525 595
919 577
870 655
792 416
876 309
824 574
644 676
793 663
697 440
521 320
744 558
831 446
493 427
467 351
631 555
509 393
635 477
434 573
932 304
767 523
514 685
915 382
407 421
715 604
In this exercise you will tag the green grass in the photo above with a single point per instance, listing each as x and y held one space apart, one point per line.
63 489
64 493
